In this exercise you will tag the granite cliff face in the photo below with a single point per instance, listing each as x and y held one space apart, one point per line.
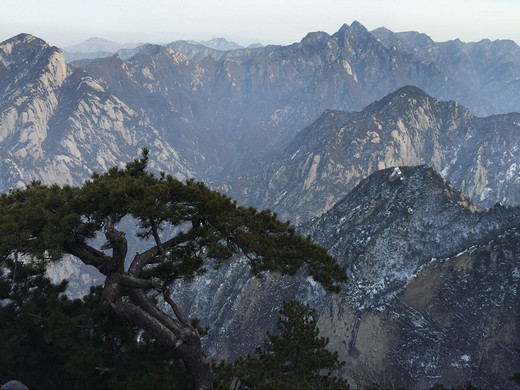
408 127
425 268
171 92
57 124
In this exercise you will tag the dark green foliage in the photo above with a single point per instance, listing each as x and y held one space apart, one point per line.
46 221
516 376
295 359
188 227
49 341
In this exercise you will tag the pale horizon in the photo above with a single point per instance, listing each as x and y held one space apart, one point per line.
66 23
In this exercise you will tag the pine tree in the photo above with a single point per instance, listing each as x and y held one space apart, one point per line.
296 359
45 222
52 342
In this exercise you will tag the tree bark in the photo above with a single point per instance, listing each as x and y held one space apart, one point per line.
125 293
185 342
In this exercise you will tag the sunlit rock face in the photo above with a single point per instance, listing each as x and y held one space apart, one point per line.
58 125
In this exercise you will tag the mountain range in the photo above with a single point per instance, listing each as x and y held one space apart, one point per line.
432 295
100 48
397 153
226 113
407 127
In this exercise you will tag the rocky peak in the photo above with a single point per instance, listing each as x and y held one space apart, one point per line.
313 38
409 240
33 74
407 127
402 99
25 56
356 28
58 124
405 204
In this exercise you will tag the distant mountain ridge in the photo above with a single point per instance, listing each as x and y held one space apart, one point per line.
99 45
491 69
96 48
100 48
258 99
230 112
408 127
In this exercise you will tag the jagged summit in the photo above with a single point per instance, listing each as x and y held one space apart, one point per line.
23 51
408 99
400 187
405 93
24 38
404 204
315 37
151 50
355 27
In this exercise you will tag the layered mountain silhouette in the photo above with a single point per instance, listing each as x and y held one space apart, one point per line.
227 112
398 154
408 127
257 100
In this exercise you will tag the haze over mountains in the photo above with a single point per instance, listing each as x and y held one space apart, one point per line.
408 127
314 131
99 48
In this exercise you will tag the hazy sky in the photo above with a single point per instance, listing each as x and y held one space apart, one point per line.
67 22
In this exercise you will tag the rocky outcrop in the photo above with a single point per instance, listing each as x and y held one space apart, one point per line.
424 266
408 127
58 125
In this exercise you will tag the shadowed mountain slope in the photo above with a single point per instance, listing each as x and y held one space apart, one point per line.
408 127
